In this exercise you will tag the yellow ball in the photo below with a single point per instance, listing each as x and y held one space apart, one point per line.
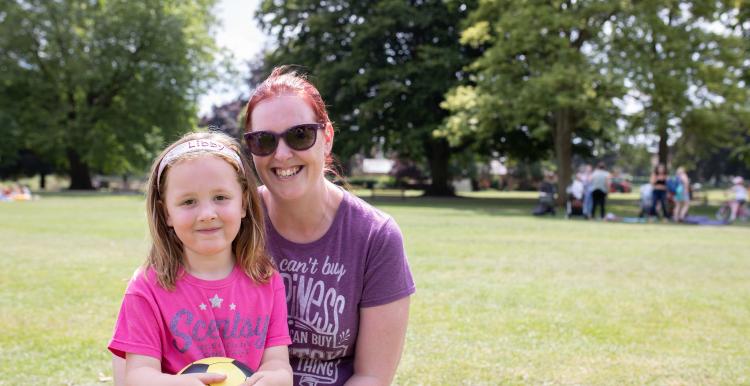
236 371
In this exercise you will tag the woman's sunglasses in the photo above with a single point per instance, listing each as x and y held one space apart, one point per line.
299 137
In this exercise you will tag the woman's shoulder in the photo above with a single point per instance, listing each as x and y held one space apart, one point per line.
372 222
362 211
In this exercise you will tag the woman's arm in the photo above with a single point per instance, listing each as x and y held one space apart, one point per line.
274 368
380 342
146 370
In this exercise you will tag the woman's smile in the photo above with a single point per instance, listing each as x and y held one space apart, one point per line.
286 172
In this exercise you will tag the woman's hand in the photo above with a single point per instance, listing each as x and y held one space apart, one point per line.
199 379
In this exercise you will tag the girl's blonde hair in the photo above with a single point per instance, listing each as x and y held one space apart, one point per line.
249 246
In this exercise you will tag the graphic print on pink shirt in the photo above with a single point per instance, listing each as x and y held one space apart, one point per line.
232 317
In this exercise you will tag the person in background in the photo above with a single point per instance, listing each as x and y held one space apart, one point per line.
576 189
600 184
682 195
5 193
645 200
585 177
739 191
658 182
547 194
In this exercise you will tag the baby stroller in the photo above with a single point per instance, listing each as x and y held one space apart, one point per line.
546 203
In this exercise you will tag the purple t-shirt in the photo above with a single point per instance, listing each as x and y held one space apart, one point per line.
359 262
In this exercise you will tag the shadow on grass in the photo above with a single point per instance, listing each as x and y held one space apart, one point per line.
91 193
622 207
490 206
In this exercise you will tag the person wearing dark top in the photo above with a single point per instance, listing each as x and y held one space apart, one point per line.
659 193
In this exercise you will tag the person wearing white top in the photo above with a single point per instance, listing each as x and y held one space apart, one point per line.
740 196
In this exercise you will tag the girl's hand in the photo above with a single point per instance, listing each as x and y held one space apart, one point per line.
201 379
145 370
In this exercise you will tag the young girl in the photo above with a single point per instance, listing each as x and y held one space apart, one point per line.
682 195
207 287
739 192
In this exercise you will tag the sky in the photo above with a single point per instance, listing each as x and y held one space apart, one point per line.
238 33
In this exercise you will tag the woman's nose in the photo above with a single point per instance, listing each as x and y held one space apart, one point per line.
283 151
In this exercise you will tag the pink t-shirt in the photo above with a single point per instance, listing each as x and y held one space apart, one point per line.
232 317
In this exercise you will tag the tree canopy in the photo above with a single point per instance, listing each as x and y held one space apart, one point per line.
541 84
383 67
557 76
683 63
100 85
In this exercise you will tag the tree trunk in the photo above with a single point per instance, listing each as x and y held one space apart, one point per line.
42 181
438 154
563 152
663 146
80 175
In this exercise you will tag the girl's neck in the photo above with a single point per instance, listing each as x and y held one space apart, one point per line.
308 218
209 268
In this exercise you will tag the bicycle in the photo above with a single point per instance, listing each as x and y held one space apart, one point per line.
724 213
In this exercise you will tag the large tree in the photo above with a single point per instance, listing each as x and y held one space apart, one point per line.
683 61
542 82
98 85
383 66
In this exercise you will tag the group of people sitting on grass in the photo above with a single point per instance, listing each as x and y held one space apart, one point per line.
15 192
664 197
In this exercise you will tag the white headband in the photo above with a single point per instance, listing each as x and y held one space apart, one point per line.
193 146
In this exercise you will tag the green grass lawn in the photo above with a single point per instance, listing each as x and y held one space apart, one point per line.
502 298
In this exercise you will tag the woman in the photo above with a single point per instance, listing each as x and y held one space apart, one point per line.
342 261
658 182
681 196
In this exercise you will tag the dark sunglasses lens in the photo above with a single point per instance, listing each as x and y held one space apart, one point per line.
262 143
301 137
